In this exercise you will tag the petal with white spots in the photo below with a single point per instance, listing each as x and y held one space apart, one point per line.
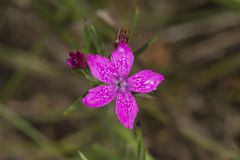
126 108
101 68
99 96
144 81
122 58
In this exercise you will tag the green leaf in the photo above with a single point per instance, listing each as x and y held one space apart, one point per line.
78 102
86 40
140 145
134 21
74 106
86 75
97 41
82 156
140 50
127 136
103 152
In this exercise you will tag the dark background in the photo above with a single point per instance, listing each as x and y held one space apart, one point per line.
194 114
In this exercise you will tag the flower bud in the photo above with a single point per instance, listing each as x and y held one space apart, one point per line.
121 37
76 60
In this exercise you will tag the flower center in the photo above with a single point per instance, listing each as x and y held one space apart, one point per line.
121 84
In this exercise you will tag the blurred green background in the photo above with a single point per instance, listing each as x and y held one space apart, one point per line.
194 114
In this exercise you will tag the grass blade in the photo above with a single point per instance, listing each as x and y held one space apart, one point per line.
140 146
82 156
140 50
97 41
134 21
87 43
73 107
30 131
127 136
20 73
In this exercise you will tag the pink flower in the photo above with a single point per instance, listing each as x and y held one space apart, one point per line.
114 73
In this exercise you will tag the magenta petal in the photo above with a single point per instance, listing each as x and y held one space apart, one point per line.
122 58
126 108
144 81
99 96
101 68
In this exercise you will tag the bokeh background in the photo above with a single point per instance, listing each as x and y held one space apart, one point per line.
194 114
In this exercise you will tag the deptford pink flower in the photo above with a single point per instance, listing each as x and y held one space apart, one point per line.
114 73
76 60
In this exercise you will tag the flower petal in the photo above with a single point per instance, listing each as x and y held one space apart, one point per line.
126 108
144 81
99 96
101 68
122 58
